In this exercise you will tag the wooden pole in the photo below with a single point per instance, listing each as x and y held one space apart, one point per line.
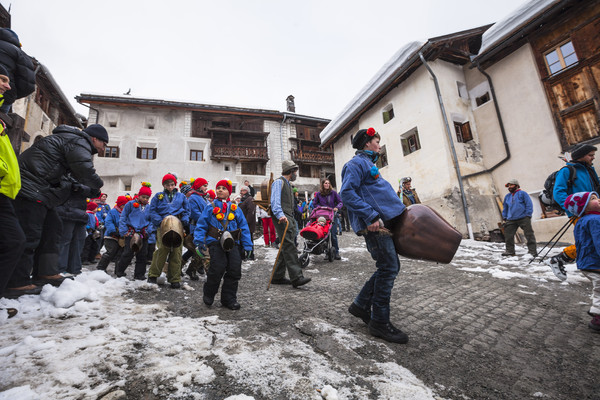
287 224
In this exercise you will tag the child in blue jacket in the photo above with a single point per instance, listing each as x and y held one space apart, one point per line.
197 198
135 218
225 261
90 246
163 204
587 240
112 236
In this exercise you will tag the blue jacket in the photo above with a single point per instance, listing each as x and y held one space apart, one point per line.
102 212
160 207
517 205
366 194
587 241
583 182
208 218
136 217
197 205
92 221
111 223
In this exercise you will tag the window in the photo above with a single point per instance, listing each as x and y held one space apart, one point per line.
150 122
482 99
253 168
382 161
112 124
388 114
110 152
560 58
410 141
462 90
146 153
463 132
196 155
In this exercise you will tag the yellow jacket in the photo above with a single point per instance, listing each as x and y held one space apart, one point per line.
10 176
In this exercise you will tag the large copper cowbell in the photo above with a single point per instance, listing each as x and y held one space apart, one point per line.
421 233
171 230
136 242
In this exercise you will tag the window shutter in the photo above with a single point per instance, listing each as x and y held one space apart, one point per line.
139 152
465 130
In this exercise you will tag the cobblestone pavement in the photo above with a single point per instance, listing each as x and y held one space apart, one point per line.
472 335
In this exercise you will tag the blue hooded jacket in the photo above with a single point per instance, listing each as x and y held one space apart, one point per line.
197 205
160 207
587 241
136 217
366 194
208 218
112 222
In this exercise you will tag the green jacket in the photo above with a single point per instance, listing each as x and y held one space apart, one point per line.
10 177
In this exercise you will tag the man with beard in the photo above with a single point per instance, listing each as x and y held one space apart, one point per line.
282 206
516 213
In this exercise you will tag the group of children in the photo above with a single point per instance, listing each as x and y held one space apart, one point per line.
214 225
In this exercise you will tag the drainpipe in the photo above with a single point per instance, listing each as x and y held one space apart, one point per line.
500 122
281 135
452 149
91 108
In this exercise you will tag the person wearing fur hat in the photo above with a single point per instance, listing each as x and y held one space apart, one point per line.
407 194
163 204
586 205
112 237
585 180
135 218
282 207
90 249
222 228
516 213
198 202
373 205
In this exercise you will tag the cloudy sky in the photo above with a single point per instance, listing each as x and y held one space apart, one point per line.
236 52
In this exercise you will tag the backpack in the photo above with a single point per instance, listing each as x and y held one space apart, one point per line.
547 195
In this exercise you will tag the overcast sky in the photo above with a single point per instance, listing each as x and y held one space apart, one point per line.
237 52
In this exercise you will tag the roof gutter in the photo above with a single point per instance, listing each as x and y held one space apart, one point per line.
451 142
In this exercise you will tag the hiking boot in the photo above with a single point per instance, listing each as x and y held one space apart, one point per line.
507 254
387 332
13 293
208 300
557 266
595 324
358 312
175 285
152 279
300 281
233 305
192 274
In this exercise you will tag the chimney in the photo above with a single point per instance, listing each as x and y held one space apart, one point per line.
291 107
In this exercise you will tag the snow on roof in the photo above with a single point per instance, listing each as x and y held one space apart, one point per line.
502 29
389 69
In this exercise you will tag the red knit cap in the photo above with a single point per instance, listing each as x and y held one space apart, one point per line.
198 182
145 190
226 183
212 194
91 206
121 201
169 176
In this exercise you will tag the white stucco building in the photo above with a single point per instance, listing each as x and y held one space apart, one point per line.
150 137
463 113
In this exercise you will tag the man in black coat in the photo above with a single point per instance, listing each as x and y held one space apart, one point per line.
19 66
44 186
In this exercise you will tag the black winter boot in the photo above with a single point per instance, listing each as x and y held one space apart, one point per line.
387 332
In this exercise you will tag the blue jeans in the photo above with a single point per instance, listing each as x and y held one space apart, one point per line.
375 294
71 245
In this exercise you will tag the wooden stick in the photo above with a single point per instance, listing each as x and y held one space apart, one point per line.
279 252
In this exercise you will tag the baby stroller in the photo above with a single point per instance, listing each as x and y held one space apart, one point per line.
317 237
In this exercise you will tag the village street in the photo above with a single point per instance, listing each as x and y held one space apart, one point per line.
482 327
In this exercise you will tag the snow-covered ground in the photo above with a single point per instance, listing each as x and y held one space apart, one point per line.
87 338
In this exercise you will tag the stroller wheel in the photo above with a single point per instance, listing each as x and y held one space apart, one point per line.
304 260
331 254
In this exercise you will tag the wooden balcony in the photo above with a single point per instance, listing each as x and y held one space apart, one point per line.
312 157
238 153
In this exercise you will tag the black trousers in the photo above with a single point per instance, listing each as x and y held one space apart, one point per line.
43 230
140 259
12 241
226 266
113 253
